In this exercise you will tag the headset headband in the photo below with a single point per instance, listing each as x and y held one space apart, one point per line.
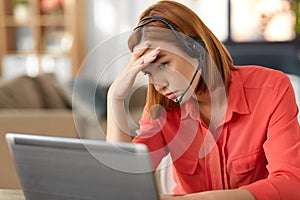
194 47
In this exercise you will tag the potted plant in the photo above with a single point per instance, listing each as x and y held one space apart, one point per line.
296 9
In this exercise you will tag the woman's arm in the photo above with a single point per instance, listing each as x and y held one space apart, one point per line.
117 124
238 194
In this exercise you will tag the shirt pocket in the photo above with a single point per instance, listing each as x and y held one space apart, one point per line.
186 175
248 168
186 165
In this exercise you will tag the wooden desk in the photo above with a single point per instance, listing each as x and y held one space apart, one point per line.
11 194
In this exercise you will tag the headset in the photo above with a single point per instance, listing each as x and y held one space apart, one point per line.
194 47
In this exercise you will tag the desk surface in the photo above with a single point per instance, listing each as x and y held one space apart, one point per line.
11 194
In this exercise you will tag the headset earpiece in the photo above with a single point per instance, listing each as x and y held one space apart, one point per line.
194 47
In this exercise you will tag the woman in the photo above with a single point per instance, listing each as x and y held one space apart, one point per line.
232 132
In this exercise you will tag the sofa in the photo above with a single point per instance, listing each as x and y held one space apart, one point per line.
38 105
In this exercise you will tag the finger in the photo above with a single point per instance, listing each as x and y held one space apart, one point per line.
149 57
140 49
144 61
138 64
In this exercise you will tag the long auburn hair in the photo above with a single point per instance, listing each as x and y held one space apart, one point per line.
218 60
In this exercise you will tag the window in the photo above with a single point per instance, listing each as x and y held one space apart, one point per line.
213 13
250 20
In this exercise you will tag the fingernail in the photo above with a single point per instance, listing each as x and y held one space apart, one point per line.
146 43
156 51
141 61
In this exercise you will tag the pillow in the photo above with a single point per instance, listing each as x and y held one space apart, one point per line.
47 84
20 92
65 93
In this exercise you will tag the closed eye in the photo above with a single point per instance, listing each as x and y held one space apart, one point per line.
162 65
146 73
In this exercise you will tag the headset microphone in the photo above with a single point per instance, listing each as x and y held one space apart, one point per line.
180 97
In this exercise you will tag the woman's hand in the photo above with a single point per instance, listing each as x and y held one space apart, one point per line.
140 58
117 124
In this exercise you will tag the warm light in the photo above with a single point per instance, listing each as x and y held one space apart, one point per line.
280 28
104 16
257 20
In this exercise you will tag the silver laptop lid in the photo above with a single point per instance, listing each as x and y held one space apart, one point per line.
69 168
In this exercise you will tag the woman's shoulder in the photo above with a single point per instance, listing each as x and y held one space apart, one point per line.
254 75
257 69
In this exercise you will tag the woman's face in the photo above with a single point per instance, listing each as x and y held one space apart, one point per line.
172 72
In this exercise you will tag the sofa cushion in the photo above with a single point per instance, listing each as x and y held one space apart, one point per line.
47 84
20 92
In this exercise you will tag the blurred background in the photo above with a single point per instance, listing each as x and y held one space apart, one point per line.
59 57
60 36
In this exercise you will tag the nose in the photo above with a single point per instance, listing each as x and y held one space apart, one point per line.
159 88
160 83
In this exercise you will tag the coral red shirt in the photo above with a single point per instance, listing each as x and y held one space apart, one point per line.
256 147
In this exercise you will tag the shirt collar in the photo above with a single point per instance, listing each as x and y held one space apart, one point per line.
190 109
237 101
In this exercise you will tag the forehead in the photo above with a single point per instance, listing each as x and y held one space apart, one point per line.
165 38
165 47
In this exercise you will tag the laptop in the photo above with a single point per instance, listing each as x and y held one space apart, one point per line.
68 168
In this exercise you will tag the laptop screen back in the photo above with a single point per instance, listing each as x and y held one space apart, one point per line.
65 168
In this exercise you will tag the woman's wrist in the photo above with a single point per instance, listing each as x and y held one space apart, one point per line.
112 97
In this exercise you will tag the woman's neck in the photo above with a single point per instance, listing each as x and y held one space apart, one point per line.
213 105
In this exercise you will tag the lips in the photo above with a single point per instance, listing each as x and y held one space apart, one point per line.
171 95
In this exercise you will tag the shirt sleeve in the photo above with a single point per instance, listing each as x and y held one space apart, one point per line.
282 147
150 134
